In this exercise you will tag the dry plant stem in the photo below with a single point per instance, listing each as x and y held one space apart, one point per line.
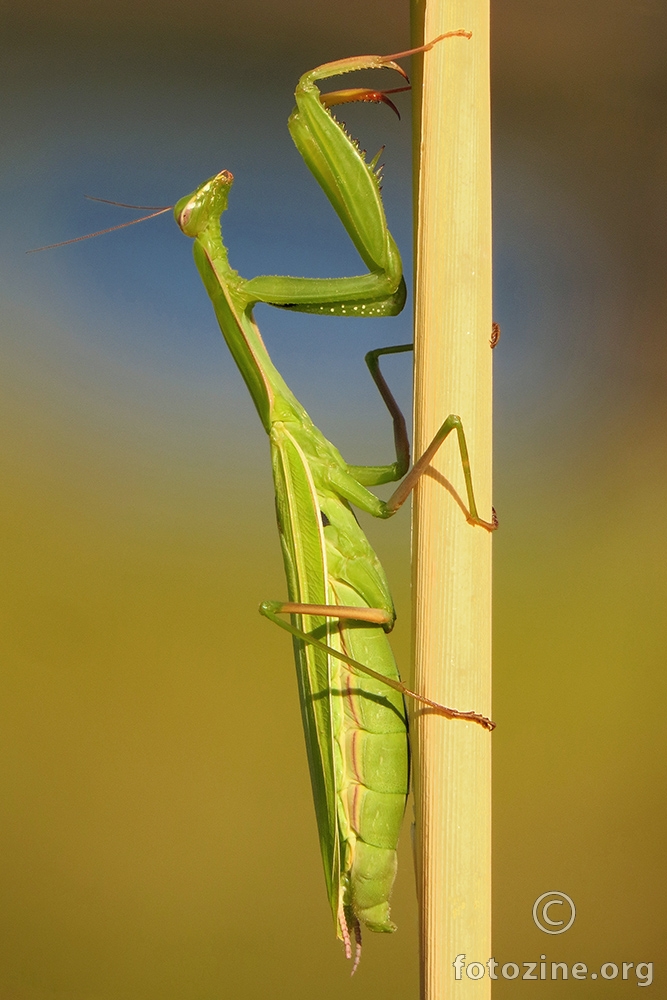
451 558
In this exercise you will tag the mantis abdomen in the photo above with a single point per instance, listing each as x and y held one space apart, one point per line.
328 561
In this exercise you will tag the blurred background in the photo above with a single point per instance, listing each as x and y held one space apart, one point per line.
157 836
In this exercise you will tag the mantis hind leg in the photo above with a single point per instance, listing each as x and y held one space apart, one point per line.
272 609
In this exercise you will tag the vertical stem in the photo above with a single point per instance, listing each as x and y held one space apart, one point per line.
451 559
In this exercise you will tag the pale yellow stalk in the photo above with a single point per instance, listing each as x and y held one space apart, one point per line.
451 559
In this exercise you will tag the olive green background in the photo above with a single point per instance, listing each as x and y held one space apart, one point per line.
157 837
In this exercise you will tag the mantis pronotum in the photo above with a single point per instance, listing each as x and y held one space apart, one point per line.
352 703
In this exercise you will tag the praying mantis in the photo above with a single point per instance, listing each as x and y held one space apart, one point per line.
340 608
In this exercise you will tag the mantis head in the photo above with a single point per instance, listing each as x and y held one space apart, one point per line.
196 211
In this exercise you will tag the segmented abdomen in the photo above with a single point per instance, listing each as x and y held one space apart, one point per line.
372 766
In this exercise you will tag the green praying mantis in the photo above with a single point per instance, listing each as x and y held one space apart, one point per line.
340 608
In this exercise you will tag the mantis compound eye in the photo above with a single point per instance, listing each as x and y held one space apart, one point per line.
194 212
